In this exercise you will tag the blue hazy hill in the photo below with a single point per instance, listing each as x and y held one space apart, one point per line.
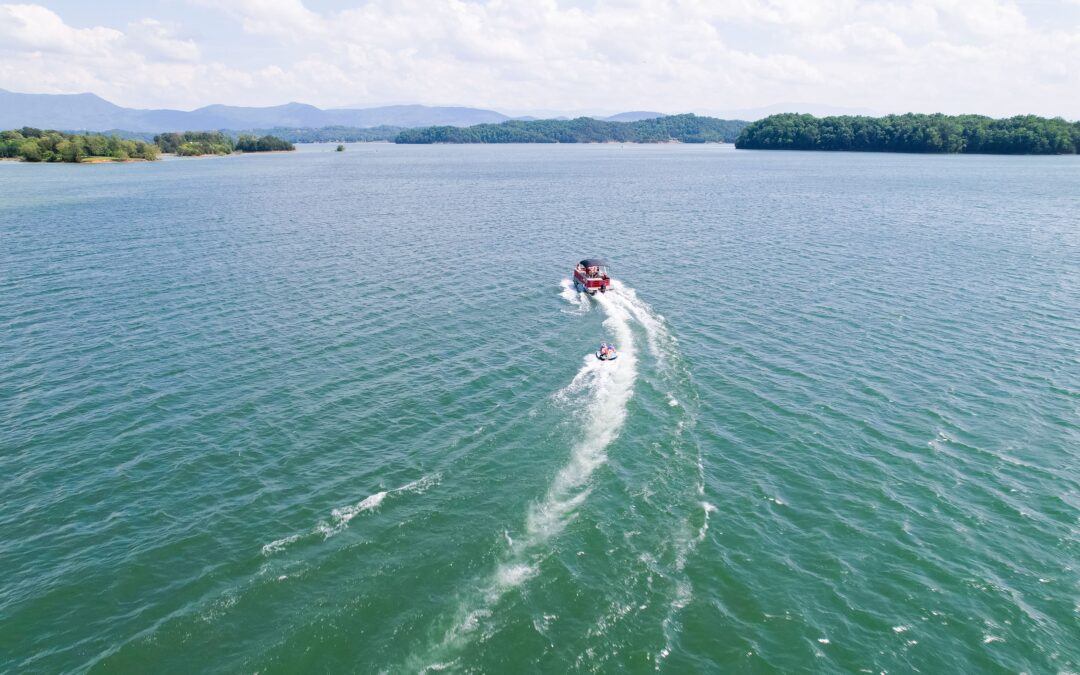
91 112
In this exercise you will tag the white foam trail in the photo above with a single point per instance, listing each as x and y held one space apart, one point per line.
576 298
343 515
279 544
420 485
709 508
664 348
656 332
608 387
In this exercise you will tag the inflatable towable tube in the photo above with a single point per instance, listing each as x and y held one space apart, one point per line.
611 353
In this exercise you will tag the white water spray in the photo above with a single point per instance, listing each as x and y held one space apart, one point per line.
605 388
341 516
578 300
608 387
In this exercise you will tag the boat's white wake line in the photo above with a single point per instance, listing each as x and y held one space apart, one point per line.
688 535
579 300
340 517
608 386
663 346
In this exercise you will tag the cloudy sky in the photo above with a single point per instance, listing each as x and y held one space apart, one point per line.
998 57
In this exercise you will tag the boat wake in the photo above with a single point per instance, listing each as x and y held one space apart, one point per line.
606 388
684 477
342 516
579 301
609 386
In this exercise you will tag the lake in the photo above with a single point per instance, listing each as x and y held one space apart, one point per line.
339 412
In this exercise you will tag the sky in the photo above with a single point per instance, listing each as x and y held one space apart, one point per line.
996 57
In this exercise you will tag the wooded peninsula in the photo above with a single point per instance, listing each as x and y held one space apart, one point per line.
36 145
971 134
673 128
197 143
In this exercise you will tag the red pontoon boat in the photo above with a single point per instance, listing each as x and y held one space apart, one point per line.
591 276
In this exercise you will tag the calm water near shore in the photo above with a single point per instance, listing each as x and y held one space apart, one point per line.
338 412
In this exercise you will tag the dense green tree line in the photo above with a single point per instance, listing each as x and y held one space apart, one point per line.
683 128
1020 135
36 145
194 143
250 143
145 136
337 134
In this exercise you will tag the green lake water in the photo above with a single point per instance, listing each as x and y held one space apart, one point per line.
338 412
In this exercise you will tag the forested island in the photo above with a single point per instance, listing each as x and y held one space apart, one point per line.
198 143
681 128
36 145
972 134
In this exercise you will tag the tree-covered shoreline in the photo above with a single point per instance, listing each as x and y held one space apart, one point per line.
914 133
338 134
673 128
910 133
198 143
37 145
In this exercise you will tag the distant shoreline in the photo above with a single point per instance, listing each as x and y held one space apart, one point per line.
914 134
139 160
87 160
49 146
686 128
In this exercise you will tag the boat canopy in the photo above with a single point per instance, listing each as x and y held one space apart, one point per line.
592 262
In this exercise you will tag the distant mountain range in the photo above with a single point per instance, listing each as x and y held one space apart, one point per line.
90 112
816 109
93 113
635 116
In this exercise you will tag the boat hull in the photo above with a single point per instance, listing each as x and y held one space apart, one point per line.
591 286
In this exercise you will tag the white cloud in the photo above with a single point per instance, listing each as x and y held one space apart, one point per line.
671 55
288 18
992 18
36 28
155 39
39 52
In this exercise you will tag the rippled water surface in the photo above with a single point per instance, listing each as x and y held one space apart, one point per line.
338 412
